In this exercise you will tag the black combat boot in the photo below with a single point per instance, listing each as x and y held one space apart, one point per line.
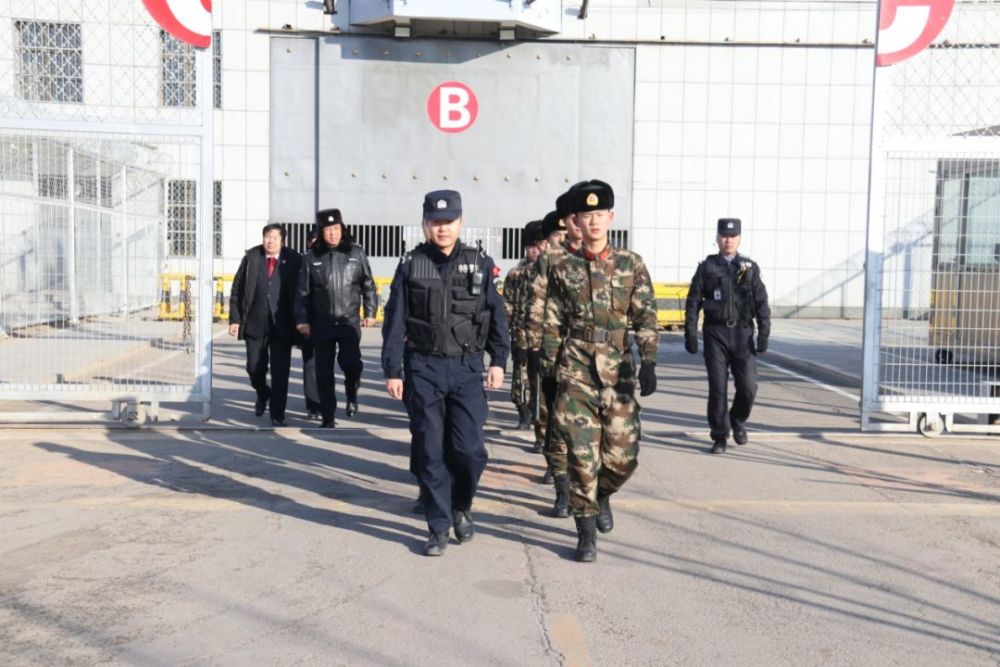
605 520
561 507
549 476
586 545
523 417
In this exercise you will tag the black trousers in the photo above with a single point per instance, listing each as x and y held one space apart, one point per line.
447 406
274 353
344 346
729 349
309 384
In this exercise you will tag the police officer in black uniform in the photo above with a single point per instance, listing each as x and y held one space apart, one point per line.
443 313
728 288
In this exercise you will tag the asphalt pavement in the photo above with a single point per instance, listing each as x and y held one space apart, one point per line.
233 543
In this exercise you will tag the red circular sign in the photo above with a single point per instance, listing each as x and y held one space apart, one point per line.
452 107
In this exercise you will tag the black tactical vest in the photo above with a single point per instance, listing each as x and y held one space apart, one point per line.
727 290
447 316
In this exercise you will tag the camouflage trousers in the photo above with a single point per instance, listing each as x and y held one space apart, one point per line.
553 448
600 429
522 387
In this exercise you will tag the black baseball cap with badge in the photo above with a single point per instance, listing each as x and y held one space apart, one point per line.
442 205
592 195
729 227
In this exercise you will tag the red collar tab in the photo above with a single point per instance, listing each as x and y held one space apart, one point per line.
590 257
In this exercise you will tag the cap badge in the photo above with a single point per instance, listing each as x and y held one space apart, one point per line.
729 225
592 199
442 203
329 218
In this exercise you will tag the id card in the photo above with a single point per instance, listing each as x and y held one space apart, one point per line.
717 295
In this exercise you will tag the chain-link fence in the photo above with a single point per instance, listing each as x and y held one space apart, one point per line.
932 330
102 129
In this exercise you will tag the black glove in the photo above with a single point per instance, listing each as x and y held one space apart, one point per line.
762 344
647 378
691 344
534 361
519 355
549 390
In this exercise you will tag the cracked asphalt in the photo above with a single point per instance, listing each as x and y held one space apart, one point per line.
229 543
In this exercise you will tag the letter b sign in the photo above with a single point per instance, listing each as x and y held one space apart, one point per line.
452 107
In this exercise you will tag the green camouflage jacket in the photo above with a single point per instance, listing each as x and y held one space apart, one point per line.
537 293
514 294
592 304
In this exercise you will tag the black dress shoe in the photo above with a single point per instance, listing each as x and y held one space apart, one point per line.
351 409
719 447
328 424
435 544
605 520
739 435
465 529
312 414
260 406
278 422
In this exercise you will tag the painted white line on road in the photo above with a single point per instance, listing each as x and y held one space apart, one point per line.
835 390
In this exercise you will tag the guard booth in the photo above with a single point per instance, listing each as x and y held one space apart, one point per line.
965 287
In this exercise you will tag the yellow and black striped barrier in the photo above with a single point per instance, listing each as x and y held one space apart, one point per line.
176 297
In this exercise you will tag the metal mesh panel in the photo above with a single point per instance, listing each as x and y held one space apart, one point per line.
952 88
99 61
933 329
81 268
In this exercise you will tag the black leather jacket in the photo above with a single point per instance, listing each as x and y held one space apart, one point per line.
334 284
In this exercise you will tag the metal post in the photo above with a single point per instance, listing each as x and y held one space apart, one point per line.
70 263
125 276
875 240
203 229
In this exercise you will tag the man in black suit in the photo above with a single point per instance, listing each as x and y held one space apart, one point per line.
262 313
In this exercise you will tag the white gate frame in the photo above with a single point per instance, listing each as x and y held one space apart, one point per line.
925 414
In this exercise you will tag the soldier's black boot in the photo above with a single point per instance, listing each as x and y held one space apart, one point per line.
523 417
605 520
549 476
739 434
561 507
586 545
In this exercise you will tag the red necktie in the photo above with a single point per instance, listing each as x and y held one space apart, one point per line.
271 261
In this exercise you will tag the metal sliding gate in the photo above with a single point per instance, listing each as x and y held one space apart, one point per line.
932 308
105 175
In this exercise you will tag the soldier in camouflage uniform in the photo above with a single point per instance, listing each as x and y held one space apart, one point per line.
553 448
595 295
523 387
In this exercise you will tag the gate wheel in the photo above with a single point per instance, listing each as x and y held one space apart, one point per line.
134 415
930 424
